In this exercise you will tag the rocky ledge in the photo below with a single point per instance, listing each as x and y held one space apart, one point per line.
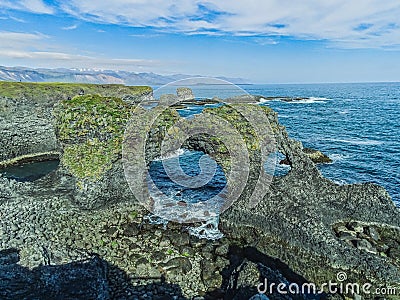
83 220
26 113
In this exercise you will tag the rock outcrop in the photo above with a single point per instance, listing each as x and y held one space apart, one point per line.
316 156
304 229
26 120
184 94
295 223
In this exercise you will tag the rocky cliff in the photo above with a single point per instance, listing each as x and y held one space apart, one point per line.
304 229
26 114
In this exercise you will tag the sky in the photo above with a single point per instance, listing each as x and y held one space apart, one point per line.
263 41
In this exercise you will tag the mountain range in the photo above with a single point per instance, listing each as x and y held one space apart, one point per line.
24 74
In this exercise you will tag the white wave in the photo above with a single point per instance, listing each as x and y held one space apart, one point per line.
357 141
319 98
156 220
340 181
207 230
338 157
309 100
263 100
306 101
176 153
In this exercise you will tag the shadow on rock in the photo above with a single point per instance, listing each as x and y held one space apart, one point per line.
93 278
249 267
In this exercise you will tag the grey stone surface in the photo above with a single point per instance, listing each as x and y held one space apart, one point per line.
297 231
184 93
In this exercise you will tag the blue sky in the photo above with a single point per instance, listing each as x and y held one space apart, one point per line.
265 41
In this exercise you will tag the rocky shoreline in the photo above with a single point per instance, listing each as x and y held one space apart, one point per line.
82 221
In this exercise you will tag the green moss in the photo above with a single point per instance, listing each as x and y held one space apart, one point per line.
50 93
91 116
134 214
91 128
90 159
233 116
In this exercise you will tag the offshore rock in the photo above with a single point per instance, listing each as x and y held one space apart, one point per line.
306 227
184 94
294 222
316 156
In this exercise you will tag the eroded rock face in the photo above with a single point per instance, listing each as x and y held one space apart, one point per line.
90 130
184 94
293 222
316 156
83 280
26 128
26 120
305 229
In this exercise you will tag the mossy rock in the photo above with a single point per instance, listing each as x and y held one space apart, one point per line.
317 156
89 117
49 93
233 116
91 129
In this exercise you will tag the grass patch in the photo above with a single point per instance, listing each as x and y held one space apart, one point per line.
91 129
50 93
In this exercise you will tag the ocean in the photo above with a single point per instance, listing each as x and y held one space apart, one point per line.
357 125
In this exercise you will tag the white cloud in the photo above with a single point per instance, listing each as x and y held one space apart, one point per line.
19 20
35 49
72 27
337 21
35 6
18 40
332 20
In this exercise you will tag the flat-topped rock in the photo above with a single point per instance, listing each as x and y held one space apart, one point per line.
184 93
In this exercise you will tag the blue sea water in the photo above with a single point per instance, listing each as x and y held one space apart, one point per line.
357 125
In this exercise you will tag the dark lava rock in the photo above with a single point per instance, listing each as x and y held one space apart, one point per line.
78 280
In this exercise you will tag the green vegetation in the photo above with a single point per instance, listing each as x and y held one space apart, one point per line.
134 214
91 116
92 128
50 93
114 244
91 159
233 116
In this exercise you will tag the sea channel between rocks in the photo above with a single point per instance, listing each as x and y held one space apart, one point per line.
81 223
